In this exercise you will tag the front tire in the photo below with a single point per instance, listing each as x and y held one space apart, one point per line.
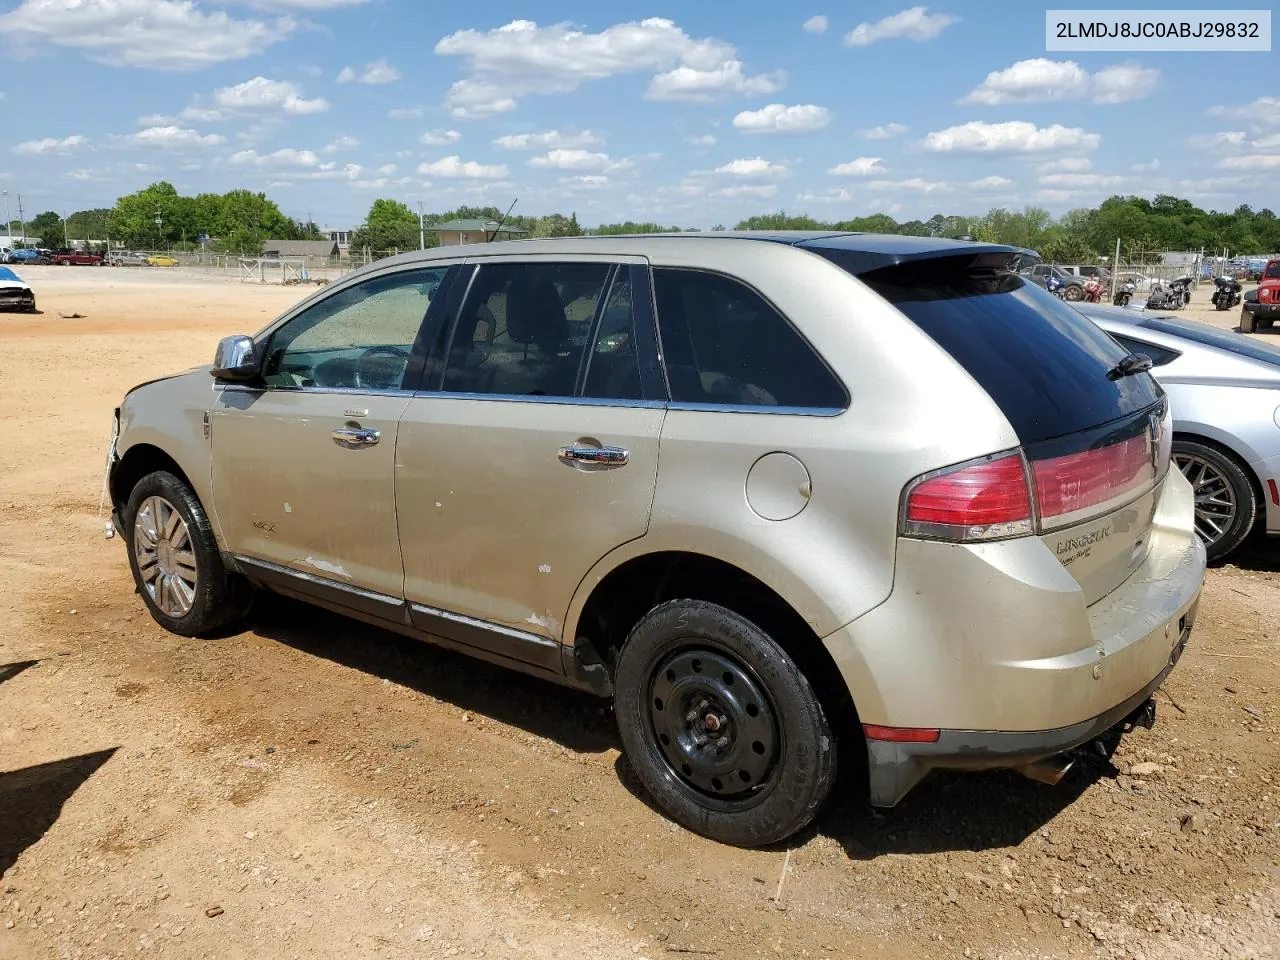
175 561
1247 322
721 727
1073 293
1225 501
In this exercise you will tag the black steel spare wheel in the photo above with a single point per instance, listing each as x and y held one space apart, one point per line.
720 725
716 727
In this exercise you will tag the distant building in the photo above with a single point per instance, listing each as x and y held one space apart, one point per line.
341 237
453 233
300 248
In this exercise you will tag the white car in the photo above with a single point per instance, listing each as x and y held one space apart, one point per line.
14 292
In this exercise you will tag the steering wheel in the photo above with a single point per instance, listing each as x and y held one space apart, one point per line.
381 368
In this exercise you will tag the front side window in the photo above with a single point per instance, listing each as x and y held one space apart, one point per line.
725 344
360 338
524 328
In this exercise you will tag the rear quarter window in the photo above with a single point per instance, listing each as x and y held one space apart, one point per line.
1043 364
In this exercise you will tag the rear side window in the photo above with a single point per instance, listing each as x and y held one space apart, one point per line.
1213 337
725 344
1159 355
1045 365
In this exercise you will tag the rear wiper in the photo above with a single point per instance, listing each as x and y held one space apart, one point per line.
1129 365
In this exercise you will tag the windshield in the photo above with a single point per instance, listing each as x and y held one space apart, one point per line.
1213 337
1273 271
7 274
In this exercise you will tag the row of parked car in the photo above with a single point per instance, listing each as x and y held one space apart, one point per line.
85 258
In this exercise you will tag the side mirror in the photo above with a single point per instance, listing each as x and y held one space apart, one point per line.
235 359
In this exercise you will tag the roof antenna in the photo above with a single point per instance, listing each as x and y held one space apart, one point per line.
503 220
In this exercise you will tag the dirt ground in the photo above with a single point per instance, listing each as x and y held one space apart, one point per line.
315 788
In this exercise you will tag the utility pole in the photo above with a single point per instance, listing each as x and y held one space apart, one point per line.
22 223
66 239
1115 270
422 230
159 226
8 224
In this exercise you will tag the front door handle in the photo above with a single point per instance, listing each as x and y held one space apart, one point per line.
356 436
600 456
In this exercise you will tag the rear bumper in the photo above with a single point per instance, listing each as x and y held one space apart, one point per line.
1268 472
894 768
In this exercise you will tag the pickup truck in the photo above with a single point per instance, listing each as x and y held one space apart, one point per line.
1261 307
76 258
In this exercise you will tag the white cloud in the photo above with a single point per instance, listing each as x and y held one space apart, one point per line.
749 190
341 143
701 86
1040 80
1265 112
455 167
284 157
913 24
146 167
837 195
1271 142
1255 161
387 169
572 159
884 132
51 145
1123 83
404 113
375 72
380 183
1213 186
753 167
1066 165
592 181
816 24
522 58
305 4
268 96
1012 136
1150 167
172 137
440 138
706 140
1225 138
861 167
990 183
778 118
1082 181
915 184
548 139
150 34
86 176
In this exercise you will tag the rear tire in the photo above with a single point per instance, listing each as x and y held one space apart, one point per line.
1226 502
1073 293
175 560
721 727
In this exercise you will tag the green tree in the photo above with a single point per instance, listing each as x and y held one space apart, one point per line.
389 226
48 226
557 225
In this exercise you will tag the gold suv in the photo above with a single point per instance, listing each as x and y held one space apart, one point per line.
784 497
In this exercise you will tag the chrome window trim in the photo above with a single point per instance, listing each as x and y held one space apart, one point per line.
350 391
526 398
511 632
774 411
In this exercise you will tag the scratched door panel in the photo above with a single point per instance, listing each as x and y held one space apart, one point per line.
288 492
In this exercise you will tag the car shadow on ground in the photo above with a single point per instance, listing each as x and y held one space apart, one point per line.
945 812
31 799
575 720
1258 554
10 670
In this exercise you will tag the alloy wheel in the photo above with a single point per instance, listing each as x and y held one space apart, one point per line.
716 729
165 556
1215 500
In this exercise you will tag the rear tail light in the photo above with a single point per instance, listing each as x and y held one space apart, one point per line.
985 500
874 731
1008 495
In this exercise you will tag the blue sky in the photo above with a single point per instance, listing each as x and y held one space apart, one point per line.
686 112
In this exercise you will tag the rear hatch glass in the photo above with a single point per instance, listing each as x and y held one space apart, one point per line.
1097 442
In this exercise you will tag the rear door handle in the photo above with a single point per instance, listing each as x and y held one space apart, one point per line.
356 436
606 456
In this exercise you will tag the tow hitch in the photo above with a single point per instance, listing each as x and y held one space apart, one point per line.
1143 716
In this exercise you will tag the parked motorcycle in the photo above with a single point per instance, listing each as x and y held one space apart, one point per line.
1055 284
1124 293
1175 296
1227 293
1093 290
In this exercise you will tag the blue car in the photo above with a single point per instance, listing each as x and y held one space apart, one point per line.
14 293
24 256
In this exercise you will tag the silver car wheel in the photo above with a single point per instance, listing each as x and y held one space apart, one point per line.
165 556
1215 500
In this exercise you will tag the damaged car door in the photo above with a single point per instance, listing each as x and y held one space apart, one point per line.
303 459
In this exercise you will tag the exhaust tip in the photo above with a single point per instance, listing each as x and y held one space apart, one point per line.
1050 770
